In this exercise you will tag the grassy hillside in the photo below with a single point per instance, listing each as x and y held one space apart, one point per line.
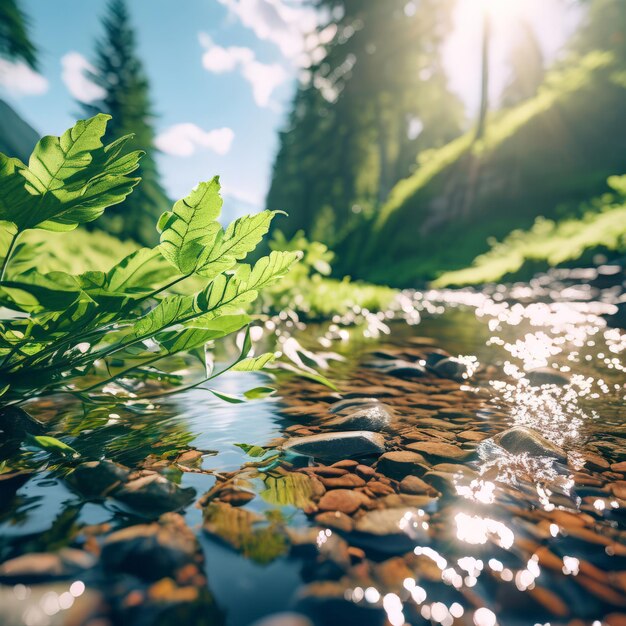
602 229
539 159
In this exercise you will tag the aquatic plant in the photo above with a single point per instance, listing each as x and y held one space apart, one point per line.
81 333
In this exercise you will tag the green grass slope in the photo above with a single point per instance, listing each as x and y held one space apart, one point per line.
549 153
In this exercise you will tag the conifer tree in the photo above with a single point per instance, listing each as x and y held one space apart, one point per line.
15 41
120 74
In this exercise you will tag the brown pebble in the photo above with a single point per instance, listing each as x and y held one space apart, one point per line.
399 464
342 500
347 481
379 489
345 464
618 489
365 471
335 519
619 467
472 435
356 554
323 470
439 450
414 485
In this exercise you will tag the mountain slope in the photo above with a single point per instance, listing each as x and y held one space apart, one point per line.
543 157
17 137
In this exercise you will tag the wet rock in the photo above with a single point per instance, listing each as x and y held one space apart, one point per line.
618 489
414 486
472 435
335 520
375 417
450 368
392 531
346 481
352 403
365 471
546 376
399 464
342 500
619 467
154 495
399 368
520 439
338 445
96 479
435 356
284 619
439 450
40 567
152 551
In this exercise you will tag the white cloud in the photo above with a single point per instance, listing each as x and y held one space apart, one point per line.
74 75
20 80
183 140
275 21
263 77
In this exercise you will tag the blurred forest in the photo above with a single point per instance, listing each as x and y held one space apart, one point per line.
378 159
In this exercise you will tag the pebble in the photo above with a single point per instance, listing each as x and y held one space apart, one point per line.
154 495
336 520
401 528
342 500
520 439
546 376
439 450
414 485
97 478
339 445
286 618
45 566
398 464
450 368
345 481
376 417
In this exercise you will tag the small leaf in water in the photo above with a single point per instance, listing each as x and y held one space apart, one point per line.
226 397
259 392
52 445
252 450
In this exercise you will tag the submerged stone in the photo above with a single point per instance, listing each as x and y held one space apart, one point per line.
450 368
342 500
40 567
400 463
338 445
392 531
520 439
399 368
375 417
352 403
154 495
152 551
546 376
97 478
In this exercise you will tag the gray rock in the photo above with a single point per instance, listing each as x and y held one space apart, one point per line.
450 368
44 566
399 368
97 478
432 358
374 417
339 445
520 439
151 551
392 531
153 495
546 376
349 404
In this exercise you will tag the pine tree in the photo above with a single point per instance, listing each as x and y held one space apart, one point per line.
15 41
120 74
373 100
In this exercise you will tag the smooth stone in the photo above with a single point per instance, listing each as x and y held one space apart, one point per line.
450 368
336 520
375 417
399 368
97 478
346 481
337 445
435 356
546 376
43 566
439 450
392 531
352 403
401 463
414 486
151 551
520 439
154 495
342 500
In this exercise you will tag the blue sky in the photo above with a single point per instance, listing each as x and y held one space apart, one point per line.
223 72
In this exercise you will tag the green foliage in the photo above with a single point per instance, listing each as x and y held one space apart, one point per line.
540 158
15 41
362 113
119 324
549 243
308 290
120 74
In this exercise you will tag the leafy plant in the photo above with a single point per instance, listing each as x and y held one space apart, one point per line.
80 333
